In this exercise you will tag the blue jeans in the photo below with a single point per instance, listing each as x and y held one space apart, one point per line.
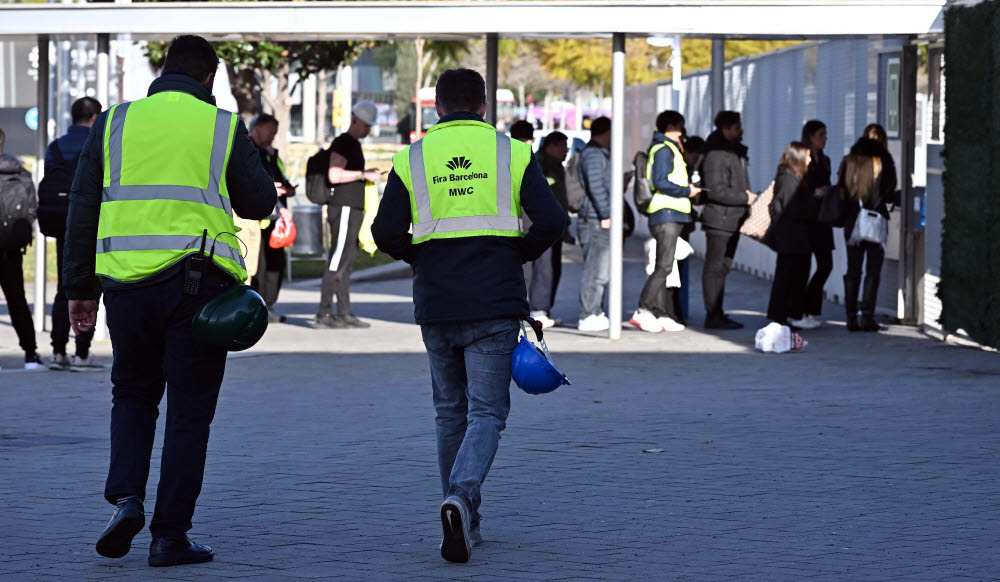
596 242
470 375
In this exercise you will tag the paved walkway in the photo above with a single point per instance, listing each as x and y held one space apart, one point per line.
867 457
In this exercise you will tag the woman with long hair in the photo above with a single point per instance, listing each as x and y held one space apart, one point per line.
791 209
820 234
868 177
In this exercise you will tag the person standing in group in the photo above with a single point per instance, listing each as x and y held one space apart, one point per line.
345 213
272 262
61 159
869 175
18 205
792 210
820 235
728 197
551 155
538 273
158 179
593 226
669 213
452 208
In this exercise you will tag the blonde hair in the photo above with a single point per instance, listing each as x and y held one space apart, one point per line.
860 175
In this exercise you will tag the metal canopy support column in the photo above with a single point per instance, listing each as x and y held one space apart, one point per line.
911 263
617 201
717 80
42 133
492 62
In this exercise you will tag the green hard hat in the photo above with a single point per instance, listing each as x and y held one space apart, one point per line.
234 320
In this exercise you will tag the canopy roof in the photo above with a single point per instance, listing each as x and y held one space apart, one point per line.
778 19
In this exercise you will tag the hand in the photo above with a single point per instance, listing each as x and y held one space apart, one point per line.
282 191
285 213
606 223
820 192
694 191
751 198
83 315
372 175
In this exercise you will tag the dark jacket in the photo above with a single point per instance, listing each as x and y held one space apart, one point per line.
70 144
818 176
251 191
663 164
885 191
468 279
727 178
595 165
555 175
269 159
792 210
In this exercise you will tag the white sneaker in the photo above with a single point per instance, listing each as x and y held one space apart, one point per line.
85 365
33 362
669 324
803 323
59 362
645 321
543 318
594 322
813 321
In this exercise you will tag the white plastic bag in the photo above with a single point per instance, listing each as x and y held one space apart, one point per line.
778 339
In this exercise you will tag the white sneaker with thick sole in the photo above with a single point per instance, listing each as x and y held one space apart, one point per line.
543 318
85 365
594 323
669 324
813 321
60 362
455 523
803 323
646 321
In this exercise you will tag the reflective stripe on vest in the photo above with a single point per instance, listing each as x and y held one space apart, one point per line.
455 145
677 176
163 187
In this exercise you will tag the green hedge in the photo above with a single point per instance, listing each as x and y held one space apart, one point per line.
970 243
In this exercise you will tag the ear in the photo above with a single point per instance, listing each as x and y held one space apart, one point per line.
482 111
209 81
438 108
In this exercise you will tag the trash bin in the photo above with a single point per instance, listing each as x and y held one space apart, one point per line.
309 226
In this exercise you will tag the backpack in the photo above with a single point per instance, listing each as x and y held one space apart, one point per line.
642 192
318 187
575 191
17 205
53 194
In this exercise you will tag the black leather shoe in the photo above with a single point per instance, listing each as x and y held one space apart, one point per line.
174 552
126 522
852 324
722 323
869 324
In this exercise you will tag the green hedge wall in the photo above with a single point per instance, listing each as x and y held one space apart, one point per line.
970 243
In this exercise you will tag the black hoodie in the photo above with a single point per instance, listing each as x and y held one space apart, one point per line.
726 179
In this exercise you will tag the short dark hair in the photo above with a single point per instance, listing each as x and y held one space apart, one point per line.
84 108
521 130
191 55
694 144
460 90
727 119
554 138
667 119
809 129
263 119
600 126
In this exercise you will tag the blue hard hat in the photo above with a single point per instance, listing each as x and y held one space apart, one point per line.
531 367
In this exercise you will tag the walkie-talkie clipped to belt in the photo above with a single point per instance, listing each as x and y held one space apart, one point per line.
195 268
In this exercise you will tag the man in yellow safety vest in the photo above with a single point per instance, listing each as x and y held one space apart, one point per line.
669 212
158 181
452 208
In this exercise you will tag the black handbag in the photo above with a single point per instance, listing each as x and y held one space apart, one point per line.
832 209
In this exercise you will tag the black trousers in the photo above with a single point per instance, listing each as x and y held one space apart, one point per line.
814 292
871 255
719 252
270 269
153 349
788 290
12 284
556 268
655 297
345 224
60 315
